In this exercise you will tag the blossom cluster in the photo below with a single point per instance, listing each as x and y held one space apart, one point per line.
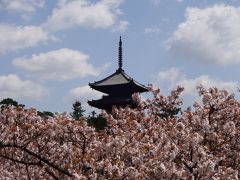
156 140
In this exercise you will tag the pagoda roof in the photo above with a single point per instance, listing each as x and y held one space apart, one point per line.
107 102
118 79
119 83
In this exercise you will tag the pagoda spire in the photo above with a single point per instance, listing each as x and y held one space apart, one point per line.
118 88
120 54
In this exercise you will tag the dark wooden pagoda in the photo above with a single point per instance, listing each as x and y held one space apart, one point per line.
119 88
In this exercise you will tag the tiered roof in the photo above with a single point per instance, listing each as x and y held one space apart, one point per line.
118 80
119 86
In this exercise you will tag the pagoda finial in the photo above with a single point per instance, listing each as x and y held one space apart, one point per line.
120 54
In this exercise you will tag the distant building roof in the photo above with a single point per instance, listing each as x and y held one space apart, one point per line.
106 102
118 79
119 86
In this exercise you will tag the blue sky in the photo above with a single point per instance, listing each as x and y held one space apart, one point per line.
51 50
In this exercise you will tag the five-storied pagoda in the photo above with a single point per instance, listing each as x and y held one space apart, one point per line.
119 88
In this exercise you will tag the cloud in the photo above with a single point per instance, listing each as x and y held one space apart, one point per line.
155 2
151 30
22 6
207 82
174 76
13 87
83 94
121 26
18 37
171 75
208 35
83 13
62 64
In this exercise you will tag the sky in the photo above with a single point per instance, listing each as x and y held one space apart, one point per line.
51 50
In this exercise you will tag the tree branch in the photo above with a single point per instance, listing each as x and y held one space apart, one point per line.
39 157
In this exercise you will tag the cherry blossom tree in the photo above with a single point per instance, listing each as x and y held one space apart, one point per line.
157 140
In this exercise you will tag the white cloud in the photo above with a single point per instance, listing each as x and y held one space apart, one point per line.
121 26
207 82
19 37
25 6
72 13
150 30
174 77
158 2
170 75
62 64
210 35
13 87
155 2
83 94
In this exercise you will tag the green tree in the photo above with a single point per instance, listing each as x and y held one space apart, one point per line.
9 101
77 111
45 114
97 121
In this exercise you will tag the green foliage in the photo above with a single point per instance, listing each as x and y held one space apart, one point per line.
45 114
21 105
77 111
97 121
9 101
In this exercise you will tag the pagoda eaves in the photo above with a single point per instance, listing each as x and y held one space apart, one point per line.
119 81
119 86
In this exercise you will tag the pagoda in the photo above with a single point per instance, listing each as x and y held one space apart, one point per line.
118 87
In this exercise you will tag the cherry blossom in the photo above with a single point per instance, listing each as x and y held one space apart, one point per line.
156 140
